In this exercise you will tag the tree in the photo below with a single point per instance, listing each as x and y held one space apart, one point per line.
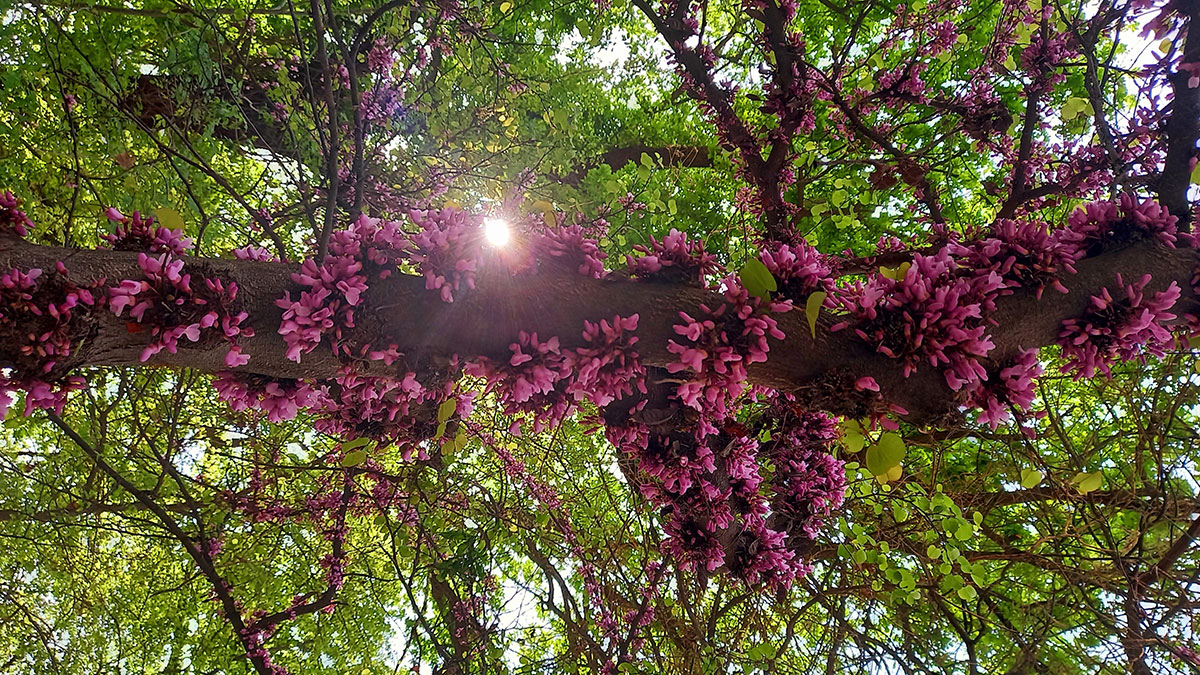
882 310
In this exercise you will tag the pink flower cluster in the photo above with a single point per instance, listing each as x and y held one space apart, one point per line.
399 410
568 248
165 301
1045 55
1104 223
1024 253
138 233
799 269
675 258
1123 328
760 555
446 249
380 57
280 398
252 252
715 350
1012 386
935 313
939 311
535 379
809 483
336 286
11 215
396 410
40 315
716 508
607 369
548 381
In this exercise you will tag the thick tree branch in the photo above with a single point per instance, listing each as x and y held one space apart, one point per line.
1183 125
688 156
485 322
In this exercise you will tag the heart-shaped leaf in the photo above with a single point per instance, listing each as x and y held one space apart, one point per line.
812 308
1031 477
757 279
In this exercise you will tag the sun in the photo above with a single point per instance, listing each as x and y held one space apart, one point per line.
496 231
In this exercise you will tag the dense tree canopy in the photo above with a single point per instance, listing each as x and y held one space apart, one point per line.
599 336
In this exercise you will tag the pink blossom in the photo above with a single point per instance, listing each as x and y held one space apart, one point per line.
1126 327
11 215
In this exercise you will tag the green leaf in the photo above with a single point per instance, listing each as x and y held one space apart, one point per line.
886 455
354 444
1087 482
1031 477
169 218
895 273
812 307
757 279
853 441
505 6
354 458
446 409
1196 174
964 531
967 593
1073 107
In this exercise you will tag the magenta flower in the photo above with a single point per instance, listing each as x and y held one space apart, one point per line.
138 233
165 302
11 215
675 258
1126 327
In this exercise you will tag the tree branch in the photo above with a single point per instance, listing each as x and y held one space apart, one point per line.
486 321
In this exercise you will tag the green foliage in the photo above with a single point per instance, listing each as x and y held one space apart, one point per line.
966 550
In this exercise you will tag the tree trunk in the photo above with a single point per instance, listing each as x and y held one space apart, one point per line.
484 322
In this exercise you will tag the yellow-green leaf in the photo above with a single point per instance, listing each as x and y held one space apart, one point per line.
504 7
895 273
853 442
812 308
1030 478
446 409
354 458
883 458
169 218
545 208
757 279
1087 482
1073 107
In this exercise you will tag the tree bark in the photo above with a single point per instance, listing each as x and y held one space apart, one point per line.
486 321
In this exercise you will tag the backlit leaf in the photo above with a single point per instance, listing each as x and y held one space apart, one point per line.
812 308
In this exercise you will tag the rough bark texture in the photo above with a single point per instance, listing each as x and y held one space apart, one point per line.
486 321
